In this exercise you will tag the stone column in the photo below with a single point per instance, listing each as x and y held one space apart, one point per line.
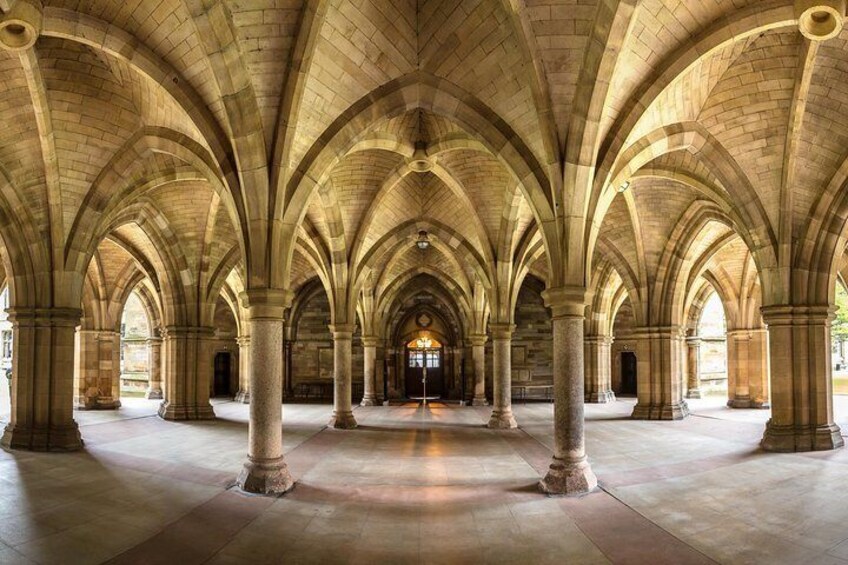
569 473
660 375
43 380
342 377
478 359
502 417
154 368
758 368
747 375
266 471
187 366
243 394
693 366
598 370
369 396
97 375
801 380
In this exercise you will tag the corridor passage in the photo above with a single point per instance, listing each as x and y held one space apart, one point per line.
422 486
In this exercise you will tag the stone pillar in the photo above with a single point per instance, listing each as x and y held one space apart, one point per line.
243 394
187 366
97 373
154 368
693 366
478 358
266 471
747 375
660 375
342 377
801 380
369 396
598 369
43 380
502 417
569 473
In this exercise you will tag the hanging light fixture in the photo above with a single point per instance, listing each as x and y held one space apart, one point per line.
423 241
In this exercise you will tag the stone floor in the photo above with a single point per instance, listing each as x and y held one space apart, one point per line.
424 486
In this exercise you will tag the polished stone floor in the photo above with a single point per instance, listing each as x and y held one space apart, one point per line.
424 486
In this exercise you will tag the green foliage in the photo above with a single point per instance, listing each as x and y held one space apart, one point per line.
840 323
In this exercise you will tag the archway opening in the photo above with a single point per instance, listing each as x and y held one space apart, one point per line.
135 337
712 333
839 353
623 352
5 357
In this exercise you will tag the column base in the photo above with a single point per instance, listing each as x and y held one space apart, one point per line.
568 478
97 403
154 394
502 420
369 401
242 397
481 401
739 402
693 393
342 421
790 439
58 438
268 477
171 411
604 397
676 411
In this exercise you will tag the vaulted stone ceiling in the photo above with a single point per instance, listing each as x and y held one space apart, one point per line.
289 140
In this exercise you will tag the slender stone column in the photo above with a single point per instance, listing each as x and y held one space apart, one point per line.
747 374
502 417
243 394
369 396
598 373
569 473
187 366
693 366
758 369
97 375
265 471
660 376
43 380
801 380
154 368
478 359
342 377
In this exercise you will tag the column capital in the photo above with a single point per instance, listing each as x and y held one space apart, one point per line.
342 331
243 340
695 340
370 341
478 340
266 303
659 332
501 331
567 301
599 339
187 332
45 316
792 315
154 340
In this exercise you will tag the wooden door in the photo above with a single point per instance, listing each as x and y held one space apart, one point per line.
628 373
415 359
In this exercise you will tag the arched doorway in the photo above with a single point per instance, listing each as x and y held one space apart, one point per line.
134 336
712 351
424 360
